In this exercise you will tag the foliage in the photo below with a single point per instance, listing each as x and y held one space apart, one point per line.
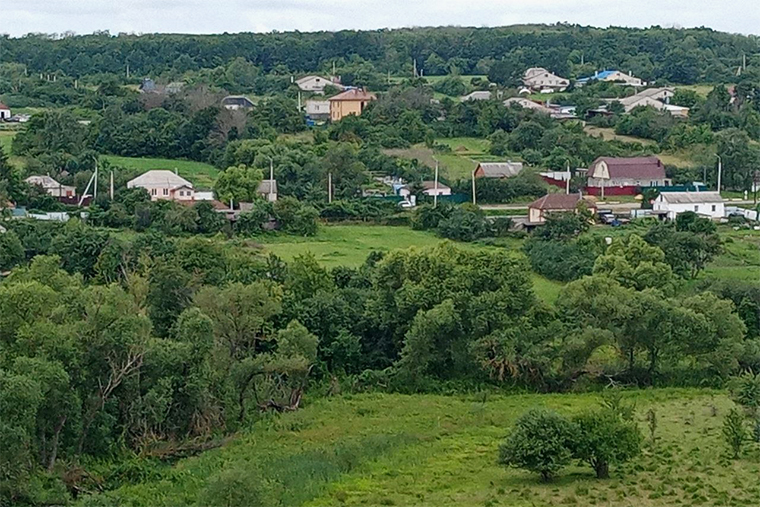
238 184
540 442
602 438
735 432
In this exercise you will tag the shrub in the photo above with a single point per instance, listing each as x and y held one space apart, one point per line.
735 432
233 487
540 442
603 437
464 225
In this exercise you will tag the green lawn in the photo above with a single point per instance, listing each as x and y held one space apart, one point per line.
200 174
349 245
6 139
465 154
425 450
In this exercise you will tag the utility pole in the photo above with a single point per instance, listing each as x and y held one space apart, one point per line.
435 187
567 186
474 200
271 180
112 185
95 192
414 61
329 187
720 170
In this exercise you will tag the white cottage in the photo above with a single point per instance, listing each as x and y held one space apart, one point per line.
708 204
5 112
164 185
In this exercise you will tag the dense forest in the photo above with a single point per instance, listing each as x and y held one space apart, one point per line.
677 55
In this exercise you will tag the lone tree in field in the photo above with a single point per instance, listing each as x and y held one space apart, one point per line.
603 437
540 442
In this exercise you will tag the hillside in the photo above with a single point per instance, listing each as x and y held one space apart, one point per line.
379 449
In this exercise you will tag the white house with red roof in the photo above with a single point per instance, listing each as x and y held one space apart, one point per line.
5 112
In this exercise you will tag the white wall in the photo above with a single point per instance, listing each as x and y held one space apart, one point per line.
713 210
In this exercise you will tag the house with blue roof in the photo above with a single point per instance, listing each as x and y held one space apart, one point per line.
612 76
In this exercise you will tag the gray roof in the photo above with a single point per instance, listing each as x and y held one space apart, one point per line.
501 169
159 178
267 187
691 197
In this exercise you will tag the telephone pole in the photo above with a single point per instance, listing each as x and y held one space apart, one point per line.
435 187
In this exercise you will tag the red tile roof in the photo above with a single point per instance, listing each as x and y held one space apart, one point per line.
354 94
559 202
3 106
633 167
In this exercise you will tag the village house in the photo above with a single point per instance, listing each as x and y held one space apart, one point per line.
527 104
625 176
556 203
540 79
352 101
612 76
498 169
658 98
164 185
317 84
428 188
5 112
708 204
52 187
476 95
318 109
235 102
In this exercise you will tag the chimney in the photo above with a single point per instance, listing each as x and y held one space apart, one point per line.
176 171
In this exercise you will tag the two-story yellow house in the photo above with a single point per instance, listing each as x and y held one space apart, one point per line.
352 101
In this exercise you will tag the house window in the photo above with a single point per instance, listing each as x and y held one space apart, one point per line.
166 191
714 208
152 191
696 208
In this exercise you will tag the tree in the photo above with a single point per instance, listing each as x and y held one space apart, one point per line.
634 263
540 442
11 250
239 184
295 217
348 172
603 437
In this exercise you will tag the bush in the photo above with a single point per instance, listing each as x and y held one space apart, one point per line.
233 487
464 225
603 437
540 442
562 261
295 217
735 432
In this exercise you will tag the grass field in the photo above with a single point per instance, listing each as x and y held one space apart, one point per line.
349 245
465 154
609 134
200 174
425 450
6 138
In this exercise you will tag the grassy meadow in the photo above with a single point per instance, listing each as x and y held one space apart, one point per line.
427 450
199 173
349 245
